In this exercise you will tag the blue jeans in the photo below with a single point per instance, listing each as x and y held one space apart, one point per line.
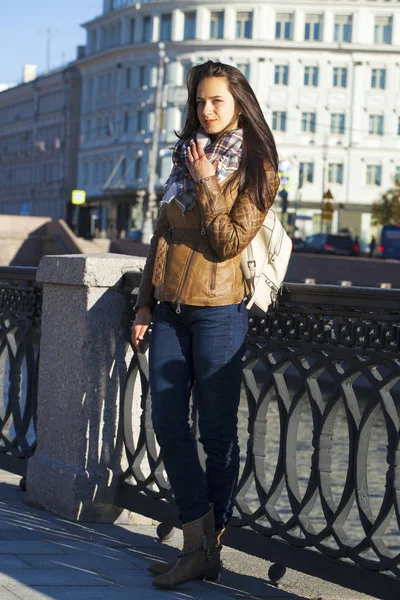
202 345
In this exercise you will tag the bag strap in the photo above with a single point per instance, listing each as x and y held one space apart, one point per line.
251 264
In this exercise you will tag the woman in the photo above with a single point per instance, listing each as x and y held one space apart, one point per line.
223 182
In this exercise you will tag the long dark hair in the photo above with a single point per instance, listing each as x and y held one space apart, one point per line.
258 141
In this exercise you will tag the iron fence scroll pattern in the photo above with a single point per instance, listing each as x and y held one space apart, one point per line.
318 425
337 355
20 316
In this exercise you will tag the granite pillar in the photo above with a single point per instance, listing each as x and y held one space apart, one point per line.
83 362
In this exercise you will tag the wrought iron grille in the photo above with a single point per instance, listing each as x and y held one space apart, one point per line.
319 432
20 315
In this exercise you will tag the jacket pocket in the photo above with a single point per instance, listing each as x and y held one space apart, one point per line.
160 262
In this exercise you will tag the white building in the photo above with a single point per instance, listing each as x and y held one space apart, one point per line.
327 76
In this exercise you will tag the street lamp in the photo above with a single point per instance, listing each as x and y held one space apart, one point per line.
147 229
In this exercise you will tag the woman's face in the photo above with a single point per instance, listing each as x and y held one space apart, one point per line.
215 105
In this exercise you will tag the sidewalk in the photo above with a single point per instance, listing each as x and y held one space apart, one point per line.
43 557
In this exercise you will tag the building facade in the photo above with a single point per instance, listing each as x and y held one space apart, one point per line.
327 77
39 139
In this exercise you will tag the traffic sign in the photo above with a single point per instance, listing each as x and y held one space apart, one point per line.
327 211
25 210
78 197
285 181
328 195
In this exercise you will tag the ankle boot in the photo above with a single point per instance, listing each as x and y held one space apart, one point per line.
199 558
158 568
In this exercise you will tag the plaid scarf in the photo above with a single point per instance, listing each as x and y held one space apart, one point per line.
227 152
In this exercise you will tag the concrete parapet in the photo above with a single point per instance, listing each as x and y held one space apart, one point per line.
83 364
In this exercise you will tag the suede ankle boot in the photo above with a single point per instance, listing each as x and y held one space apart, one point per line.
199 558
158 568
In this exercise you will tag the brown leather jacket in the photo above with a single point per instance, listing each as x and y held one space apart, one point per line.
194 258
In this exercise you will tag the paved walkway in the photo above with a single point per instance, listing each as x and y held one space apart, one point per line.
43 557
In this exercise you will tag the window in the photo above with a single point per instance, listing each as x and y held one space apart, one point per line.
90 91
189 28
88 128
141 121
138 168
245 69
284 26
104 170
166 27
340 77
335 173
311 76
279 120
383 30
308 122
313 28
338 123
244 25
375 125
132 31
123 168
397 176
126 121
128 77
374 175
144 75
306 172
92 40
147 31
378 78
101 85
281 74
85 174
108 83
109 127
343 28
104 37
217 25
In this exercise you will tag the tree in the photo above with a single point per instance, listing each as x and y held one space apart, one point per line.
387 210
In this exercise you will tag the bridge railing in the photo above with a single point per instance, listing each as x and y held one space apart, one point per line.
319 433
318 424
20 320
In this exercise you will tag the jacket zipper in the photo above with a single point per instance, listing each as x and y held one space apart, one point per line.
207 192
181 287
213 273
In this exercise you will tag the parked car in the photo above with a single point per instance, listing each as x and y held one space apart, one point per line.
134 234
299 245
389 242
329 243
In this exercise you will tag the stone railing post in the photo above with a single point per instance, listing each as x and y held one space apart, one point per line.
75 469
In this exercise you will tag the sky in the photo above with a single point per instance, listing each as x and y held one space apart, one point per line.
23 28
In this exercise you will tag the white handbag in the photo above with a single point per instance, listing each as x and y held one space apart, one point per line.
264 263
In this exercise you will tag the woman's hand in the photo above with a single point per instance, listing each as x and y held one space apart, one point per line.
140 326
197 162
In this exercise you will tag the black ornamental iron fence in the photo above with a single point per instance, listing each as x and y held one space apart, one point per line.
20 316
319 488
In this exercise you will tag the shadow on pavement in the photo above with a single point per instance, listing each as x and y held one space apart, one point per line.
65 560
